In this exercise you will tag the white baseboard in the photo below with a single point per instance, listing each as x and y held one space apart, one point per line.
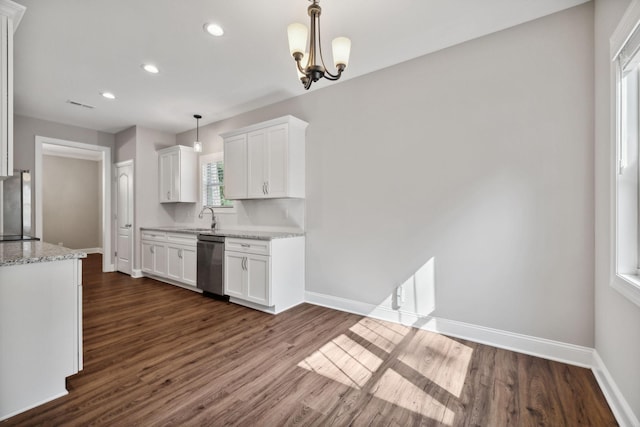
541 347
619 405
136 274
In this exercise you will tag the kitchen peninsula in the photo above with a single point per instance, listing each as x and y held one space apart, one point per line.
40 323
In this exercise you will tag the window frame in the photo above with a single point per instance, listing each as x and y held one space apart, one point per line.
625 282
202 161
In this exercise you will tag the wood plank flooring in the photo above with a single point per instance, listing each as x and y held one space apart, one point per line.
158 355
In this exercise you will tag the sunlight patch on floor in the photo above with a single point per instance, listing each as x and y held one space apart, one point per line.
343 360
396 389
384 335
442 360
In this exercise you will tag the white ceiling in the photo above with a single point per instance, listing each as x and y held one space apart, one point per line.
75 49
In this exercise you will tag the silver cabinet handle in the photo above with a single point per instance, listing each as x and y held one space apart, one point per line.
245 245
127 226
244 263
168 195
180 253
151 249
266 186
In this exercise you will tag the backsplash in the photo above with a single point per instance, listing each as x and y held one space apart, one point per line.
271 213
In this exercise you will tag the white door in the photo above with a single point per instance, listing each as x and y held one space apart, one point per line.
124 216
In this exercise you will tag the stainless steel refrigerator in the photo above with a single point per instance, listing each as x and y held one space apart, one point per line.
16 207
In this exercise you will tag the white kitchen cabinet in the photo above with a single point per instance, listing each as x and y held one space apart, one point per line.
154 258
181 263
170 257
267 275
235 167
177 174
266 160
10 16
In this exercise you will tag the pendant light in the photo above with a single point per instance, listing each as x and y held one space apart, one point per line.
309 60
197 145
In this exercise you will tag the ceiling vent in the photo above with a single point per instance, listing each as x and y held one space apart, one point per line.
80 104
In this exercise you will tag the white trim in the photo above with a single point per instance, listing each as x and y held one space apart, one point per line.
136 273
628 286
107 261
14 11
540 347
619 405
631 19
627 25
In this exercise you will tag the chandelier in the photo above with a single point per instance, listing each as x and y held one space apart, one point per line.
307 56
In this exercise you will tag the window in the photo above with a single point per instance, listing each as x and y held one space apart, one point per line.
625 45
212 181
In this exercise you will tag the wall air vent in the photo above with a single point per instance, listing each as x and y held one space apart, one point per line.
80 104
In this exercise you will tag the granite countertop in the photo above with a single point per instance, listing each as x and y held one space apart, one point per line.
29 252
243 234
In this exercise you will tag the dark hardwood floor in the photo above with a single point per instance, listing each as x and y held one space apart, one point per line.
155 354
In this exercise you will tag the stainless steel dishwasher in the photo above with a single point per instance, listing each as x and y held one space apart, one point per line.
210 273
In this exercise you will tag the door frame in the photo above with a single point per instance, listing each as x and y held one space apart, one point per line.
133 216
105 156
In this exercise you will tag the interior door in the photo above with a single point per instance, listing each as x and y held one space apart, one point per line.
124 217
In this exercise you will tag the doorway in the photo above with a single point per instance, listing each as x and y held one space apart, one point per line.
73 149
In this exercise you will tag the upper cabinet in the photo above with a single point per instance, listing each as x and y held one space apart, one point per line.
266 160
10 16
177 174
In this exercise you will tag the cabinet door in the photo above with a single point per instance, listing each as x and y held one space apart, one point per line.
235 167
174 262
147 257
234 276
160 260
257 164
277 161
258 279
165 176
189 266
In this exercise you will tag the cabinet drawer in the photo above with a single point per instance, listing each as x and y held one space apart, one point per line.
153 235
261 247
183 239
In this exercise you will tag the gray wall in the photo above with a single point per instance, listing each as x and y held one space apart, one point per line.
479 156
27 128
71 202
617 326
140 145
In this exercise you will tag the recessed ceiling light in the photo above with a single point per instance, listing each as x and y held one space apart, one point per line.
214 29
150 68
108 95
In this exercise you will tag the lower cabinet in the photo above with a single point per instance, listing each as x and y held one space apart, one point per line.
248 276
154 258
181 264
170 257
267 275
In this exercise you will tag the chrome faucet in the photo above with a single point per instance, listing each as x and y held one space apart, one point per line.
213 216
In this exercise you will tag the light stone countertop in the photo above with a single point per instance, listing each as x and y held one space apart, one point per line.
29 252
243 234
